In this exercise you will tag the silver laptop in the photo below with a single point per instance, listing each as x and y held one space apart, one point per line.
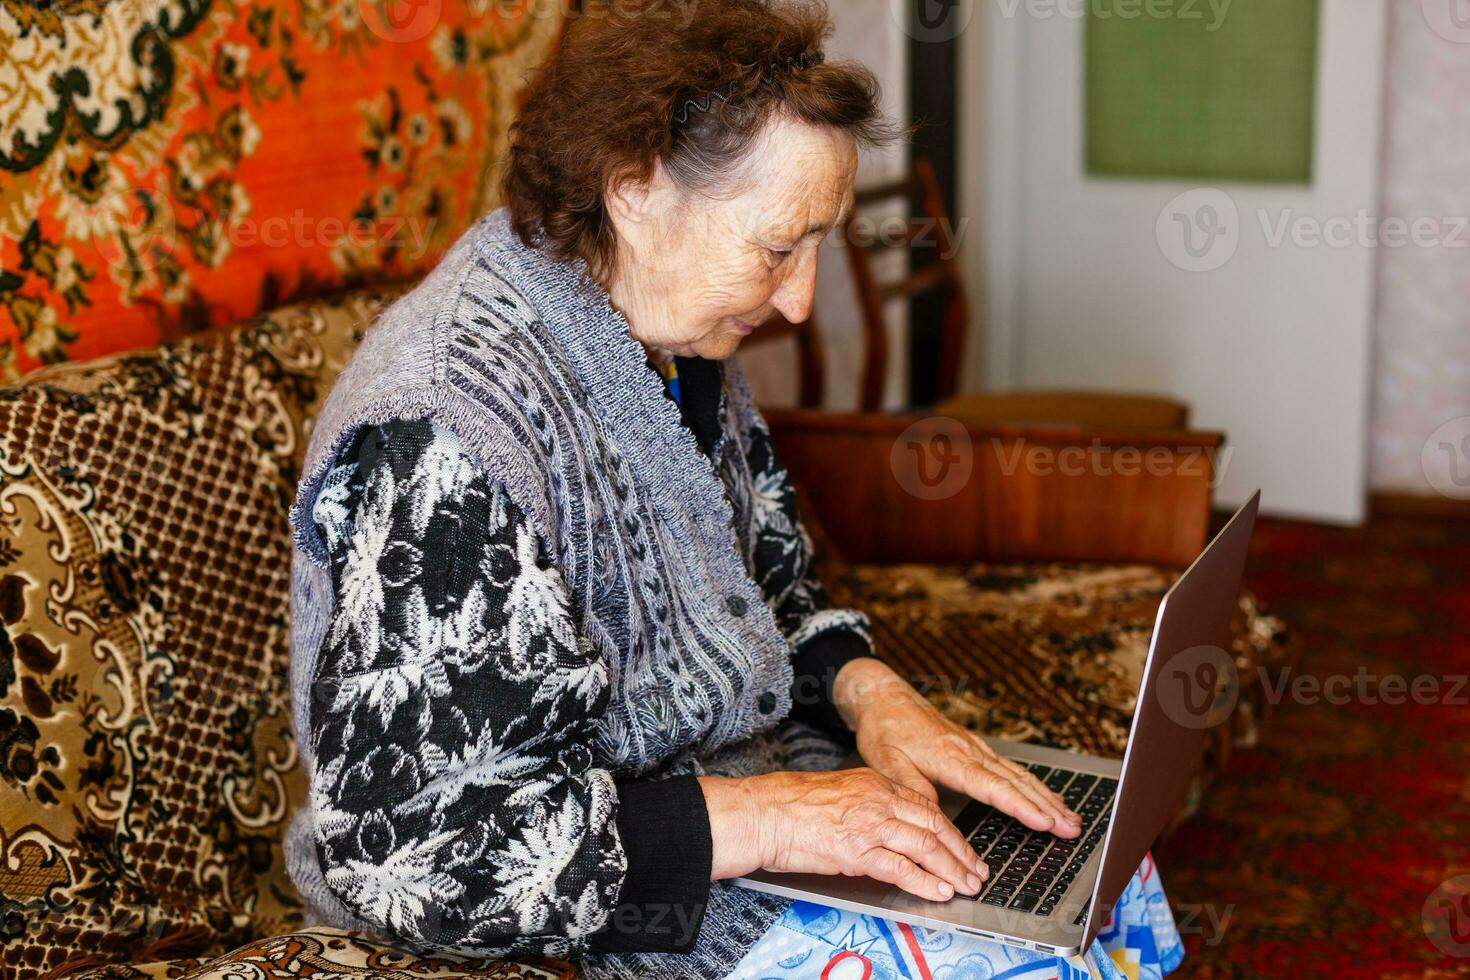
1053 895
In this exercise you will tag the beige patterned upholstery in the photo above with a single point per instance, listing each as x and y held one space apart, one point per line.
147 766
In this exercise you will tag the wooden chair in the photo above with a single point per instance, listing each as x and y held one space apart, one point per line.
810 357
930 226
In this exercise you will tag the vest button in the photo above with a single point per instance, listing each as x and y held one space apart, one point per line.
766 702
736 605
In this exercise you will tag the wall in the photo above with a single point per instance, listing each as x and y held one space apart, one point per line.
1421 376
1090 285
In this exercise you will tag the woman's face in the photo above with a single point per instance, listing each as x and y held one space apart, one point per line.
697 274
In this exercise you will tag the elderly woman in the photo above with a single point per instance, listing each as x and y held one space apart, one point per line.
560 663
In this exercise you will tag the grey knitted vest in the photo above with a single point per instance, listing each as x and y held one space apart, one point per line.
534 370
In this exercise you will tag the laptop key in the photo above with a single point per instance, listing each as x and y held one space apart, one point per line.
972 817
1024 902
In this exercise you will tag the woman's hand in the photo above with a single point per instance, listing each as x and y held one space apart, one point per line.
900 734
851 822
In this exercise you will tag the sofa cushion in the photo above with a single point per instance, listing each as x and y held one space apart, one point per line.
175 166
147 764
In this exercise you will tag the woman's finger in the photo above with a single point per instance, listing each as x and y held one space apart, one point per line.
1013 795
926 849
928 816
1067 823
894 868
1028 786
1012 766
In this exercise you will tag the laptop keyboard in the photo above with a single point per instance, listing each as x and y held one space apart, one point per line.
1030 870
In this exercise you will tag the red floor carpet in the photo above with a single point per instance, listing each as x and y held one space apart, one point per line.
1318 851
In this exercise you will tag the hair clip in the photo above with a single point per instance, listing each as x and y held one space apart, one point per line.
772 76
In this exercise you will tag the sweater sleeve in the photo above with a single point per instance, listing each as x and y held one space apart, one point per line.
823 637
456 798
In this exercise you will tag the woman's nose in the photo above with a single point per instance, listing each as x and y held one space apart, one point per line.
793 299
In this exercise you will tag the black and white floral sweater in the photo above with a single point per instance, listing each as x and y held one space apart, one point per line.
433 564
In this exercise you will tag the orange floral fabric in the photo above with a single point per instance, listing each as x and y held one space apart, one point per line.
171 165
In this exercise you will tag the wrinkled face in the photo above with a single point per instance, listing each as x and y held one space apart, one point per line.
697 274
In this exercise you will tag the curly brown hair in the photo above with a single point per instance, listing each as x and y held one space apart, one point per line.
607 104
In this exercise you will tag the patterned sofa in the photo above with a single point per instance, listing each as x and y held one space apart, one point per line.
162 360
148 766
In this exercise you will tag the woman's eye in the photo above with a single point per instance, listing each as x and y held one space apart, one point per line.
779 253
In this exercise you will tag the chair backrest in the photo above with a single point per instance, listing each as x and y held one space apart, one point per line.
809 355
926 231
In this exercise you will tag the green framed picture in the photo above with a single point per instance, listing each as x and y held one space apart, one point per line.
1201 89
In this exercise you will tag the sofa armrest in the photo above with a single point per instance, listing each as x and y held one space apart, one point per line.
915 488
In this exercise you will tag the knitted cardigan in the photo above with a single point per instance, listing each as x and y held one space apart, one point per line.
526 361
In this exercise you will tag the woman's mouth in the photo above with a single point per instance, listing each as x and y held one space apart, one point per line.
742 326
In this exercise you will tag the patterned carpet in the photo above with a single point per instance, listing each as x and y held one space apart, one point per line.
1319 851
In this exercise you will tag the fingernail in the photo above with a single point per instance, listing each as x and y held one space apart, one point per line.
946 891
973 883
